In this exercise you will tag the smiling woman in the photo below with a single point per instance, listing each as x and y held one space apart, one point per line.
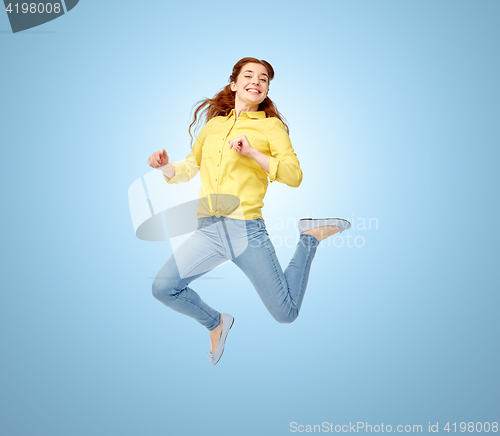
226 99
243 145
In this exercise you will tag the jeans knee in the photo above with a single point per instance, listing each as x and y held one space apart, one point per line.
164 290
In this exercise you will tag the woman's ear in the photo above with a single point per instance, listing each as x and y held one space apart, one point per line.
233 86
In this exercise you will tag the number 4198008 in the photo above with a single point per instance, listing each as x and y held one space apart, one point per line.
34 8
472 427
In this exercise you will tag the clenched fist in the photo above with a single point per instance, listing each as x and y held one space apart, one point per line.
241 145
158 159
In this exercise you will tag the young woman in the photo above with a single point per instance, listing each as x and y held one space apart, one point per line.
243 144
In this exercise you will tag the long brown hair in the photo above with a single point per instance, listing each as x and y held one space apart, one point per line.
224 100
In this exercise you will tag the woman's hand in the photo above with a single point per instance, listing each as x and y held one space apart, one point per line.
158 159
241 145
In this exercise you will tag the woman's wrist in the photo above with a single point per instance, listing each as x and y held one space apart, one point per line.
261 158
168 170
254 153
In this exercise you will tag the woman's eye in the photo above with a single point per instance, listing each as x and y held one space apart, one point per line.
264 80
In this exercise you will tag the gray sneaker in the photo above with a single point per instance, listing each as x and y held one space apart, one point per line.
306 224
227 323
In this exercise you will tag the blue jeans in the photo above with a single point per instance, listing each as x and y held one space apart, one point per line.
215 242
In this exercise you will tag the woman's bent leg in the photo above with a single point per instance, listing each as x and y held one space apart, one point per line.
281 292
198 255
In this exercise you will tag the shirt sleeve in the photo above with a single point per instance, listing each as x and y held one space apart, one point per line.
185 171
283 165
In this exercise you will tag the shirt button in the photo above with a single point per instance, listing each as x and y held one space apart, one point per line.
219 151
215 179
217 165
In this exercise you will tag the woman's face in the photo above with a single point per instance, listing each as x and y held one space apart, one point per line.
251 85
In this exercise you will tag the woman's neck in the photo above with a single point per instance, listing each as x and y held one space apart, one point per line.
242 107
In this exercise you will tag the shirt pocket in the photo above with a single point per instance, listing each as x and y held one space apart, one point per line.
260 143
210 146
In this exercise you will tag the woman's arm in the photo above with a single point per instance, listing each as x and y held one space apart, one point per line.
168 170
283 164
182 172
243 146
159 160
261 158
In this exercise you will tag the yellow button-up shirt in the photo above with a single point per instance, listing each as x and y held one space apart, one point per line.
234 185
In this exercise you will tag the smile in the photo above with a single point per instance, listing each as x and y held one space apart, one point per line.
253 90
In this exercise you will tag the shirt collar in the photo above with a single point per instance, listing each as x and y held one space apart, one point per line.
253 115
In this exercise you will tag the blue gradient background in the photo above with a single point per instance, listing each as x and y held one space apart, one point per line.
393 109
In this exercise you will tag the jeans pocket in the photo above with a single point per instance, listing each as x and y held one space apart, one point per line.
253 224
